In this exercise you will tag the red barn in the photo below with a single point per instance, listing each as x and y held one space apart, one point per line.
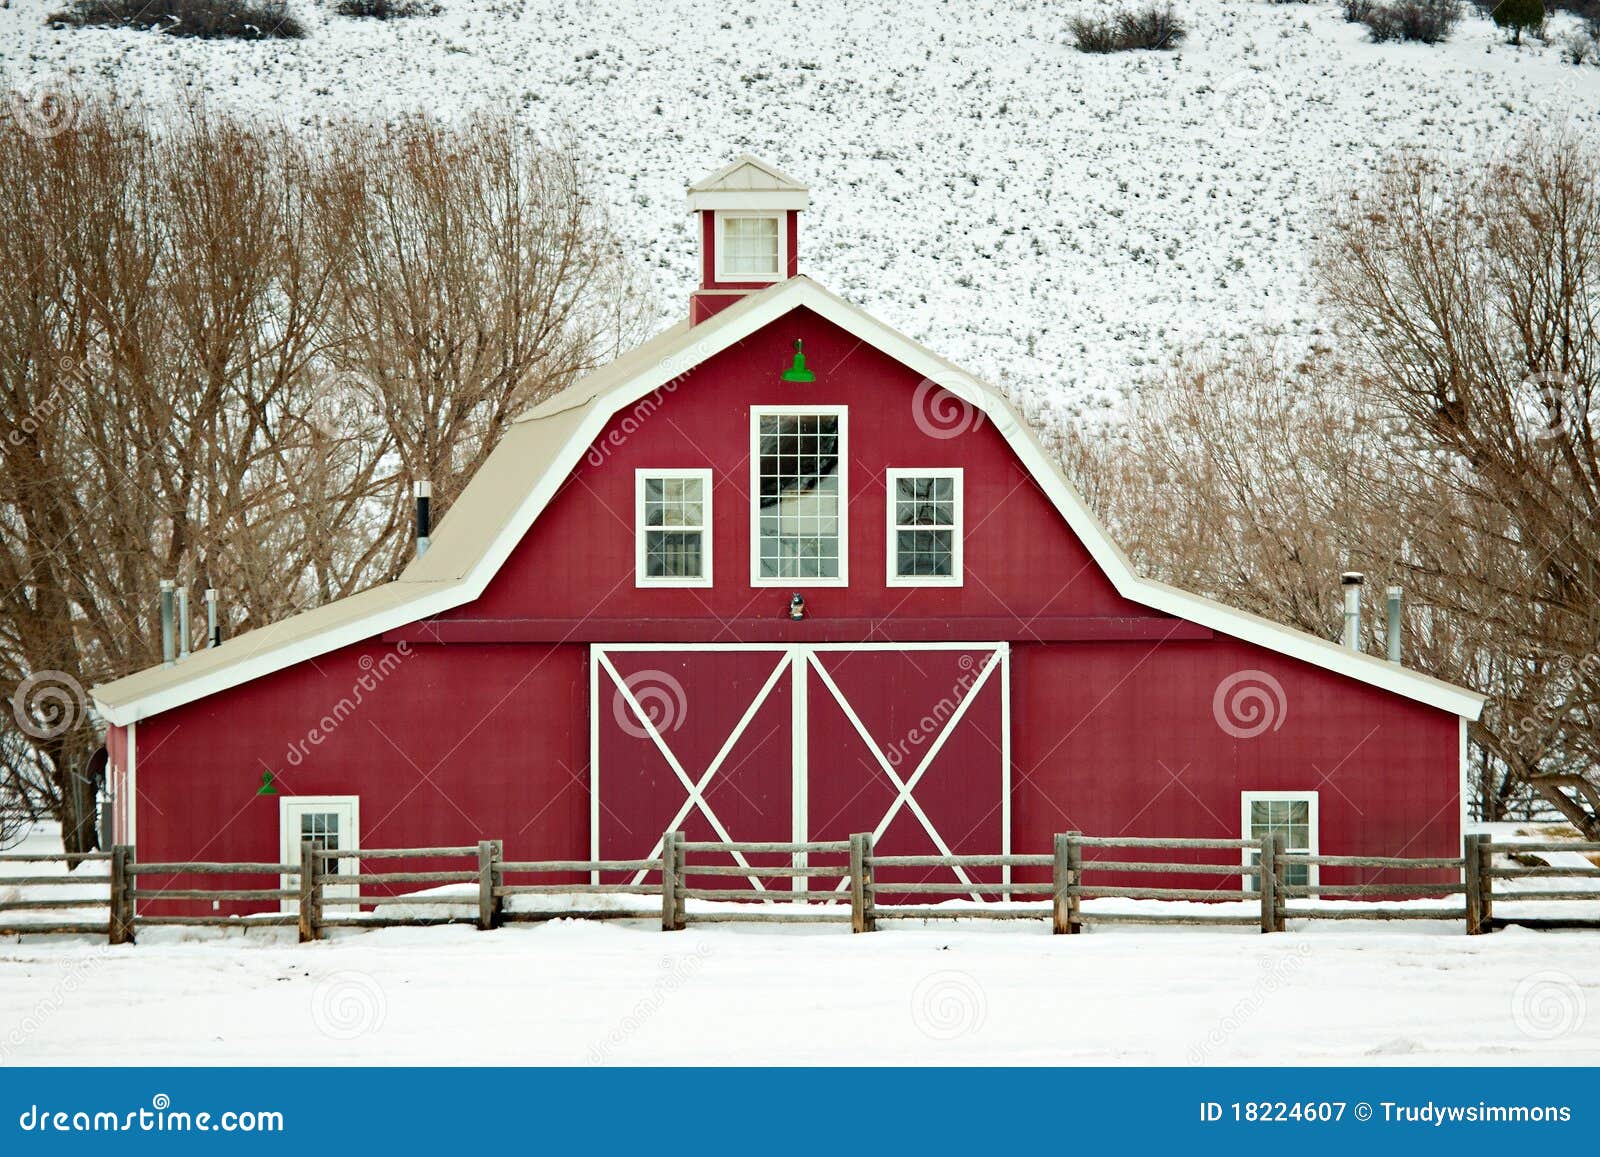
779 573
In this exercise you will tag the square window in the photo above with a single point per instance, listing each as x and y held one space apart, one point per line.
673 545
751 247
924 527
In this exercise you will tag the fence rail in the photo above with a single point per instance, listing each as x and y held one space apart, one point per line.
819 882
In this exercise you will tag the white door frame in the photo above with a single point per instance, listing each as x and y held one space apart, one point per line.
288 837
798 659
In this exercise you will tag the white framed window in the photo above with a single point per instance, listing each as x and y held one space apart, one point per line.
751 246
799 496
1290 814
672 528
924 517
329 822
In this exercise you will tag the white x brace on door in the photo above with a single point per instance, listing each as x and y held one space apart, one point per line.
803 742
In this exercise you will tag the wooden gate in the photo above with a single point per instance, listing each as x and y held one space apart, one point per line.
772 743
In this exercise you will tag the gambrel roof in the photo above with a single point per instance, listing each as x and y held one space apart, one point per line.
542 447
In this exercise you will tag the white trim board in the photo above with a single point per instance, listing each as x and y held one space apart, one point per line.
689 349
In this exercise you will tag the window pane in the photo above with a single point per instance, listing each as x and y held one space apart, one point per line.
799 495
673 554
925 526
750 245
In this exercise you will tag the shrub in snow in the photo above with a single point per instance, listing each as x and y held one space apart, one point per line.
1357 11
1424 21
1518 16
386 9
206 19
1153 27
1578 46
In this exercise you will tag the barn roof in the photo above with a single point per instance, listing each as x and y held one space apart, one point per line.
747 183
541 448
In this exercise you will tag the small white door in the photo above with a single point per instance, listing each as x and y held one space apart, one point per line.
328 821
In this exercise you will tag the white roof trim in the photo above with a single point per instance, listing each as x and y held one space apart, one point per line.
704 342
747 182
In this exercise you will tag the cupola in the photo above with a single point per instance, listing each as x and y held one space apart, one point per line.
748 214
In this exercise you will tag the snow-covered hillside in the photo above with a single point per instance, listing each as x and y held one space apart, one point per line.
1064 224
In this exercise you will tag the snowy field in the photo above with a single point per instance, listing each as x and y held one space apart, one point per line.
622 993
1067 225
584 993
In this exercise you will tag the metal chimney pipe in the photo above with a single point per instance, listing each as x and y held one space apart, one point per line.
1393 594
1351 581
424 494
169 650
183 622
213 631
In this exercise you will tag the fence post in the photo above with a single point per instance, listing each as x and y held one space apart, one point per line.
858 883
669 882
1280 898
497 879
1266 878
1060 866
1472 869
485 885
1486 885
119 910
310 891
869 892
1074 882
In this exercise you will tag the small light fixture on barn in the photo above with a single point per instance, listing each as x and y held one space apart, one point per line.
424 496
797 372
1351 580
797 606
268 785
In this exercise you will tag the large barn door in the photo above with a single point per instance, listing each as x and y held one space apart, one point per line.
699 741
803 742
911 745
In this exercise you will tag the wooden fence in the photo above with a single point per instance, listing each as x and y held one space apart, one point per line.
821 882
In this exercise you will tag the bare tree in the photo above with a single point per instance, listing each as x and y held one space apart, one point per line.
1469 293
223 353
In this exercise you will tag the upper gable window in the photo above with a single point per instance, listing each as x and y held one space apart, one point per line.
798 518
750 247
673 528
924 528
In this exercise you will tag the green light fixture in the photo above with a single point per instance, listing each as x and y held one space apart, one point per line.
267 786
798 371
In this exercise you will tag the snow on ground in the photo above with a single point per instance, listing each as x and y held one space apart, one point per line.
922 992
588 993
1064 224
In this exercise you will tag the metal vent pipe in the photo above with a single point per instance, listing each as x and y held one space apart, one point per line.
424 495
169 646
1351 581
